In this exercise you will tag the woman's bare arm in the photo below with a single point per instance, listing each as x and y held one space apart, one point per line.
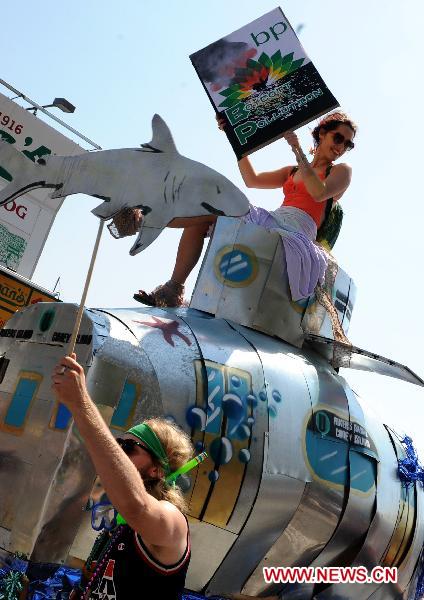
333 186
267 180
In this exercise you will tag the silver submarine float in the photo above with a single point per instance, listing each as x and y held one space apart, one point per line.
300 472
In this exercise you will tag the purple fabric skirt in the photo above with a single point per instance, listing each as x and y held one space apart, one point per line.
305 261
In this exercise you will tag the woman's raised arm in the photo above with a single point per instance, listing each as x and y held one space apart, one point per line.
267 180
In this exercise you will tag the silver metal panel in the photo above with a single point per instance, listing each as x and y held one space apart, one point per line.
206 555
35 449
244 270
208 289
289 405
170 347
62 510
387 506
386 591
232 378
276 313
243 278
326 387
354 524
306 534
122 350
105 382
265 303
359 510
303 538
353 357
358 513
277 500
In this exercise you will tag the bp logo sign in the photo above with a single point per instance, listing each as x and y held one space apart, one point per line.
236 266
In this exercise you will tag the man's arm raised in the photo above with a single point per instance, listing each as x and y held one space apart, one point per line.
158 522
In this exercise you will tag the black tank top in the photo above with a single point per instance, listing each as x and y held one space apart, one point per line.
132 573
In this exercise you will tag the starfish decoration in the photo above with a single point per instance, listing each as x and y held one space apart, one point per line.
168 330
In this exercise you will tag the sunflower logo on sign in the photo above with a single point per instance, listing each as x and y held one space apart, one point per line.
236 266
258 75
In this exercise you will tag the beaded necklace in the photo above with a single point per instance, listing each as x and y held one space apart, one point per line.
103 546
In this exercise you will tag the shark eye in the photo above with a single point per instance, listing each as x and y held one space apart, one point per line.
149 148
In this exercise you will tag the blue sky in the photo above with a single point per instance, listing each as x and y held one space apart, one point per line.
120 63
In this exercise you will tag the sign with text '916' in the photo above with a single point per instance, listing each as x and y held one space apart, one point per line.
25 222
260 80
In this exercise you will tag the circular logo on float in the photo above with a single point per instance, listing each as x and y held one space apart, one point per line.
236 266
322 422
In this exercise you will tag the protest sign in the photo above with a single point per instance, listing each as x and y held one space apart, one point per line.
260 80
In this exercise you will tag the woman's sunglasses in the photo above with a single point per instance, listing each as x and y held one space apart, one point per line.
340 139
128 445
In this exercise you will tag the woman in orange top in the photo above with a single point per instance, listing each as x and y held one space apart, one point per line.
306 190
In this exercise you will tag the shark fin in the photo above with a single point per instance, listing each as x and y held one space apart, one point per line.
162 137
146 236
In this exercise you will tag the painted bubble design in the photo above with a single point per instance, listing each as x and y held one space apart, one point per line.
243 431
244 456
250 420
196 418
235 381
184 482
252 400
213 476
232 407
262 396
272 411
199 447
221 451
276 396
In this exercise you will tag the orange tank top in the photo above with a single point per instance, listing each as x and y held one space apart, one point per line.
296 195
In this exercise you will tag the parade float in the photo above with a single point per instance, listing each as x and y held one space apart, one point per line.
299 470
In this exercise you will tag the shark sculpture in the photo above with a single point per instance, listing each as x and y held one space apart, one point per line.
155 178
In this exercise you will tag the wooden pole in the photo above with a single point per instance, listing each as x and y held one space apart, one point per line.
73 339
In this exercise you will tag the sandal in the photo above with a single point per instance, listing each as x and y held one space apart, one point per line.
170 294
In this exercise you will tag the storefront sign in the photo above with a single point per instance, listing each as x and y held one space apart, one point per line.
25 222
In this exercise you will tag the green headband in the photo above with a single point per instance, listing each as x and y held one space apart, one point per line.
145 434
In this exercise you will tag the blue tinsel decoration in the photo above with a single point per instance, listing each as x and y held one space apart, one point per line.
409 469
195 596
57 586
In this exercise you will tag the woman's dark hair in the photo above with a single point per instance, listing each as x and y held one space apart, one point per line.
331 122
